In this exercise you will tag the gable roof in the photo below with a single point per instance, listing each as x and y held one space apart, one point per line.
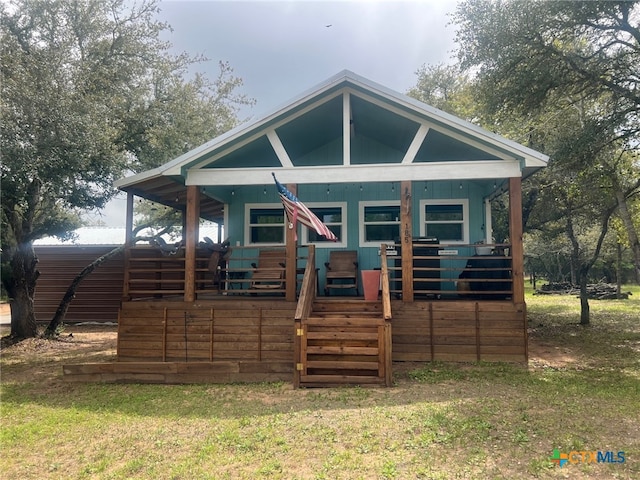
346 127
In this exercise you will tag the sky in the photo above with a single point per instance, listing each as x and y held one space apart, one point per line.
283 48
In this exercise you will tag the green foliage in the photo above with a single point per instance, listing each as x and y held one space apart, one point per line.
90 91
563 77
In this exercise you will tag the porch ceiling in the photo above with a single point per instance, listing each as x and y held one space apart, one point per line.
173 193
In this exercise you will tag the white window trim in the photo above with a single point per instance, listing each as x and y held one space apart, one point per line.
343 241
373 203
247 224
447 201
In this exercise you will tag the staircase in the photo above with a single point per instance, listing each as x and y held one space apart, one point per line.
344 341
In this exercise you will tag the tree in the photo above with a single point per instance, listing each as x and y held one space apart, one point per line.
89 91
574 65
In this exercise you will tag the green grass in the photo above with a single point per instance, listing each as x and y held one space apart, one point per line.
581 391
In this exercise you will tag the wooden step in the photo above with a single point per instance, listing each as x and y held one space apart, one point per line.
339 321
345 314
346 306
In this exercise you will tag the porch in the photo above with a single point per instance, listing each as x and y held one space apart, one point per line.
232 334
436 271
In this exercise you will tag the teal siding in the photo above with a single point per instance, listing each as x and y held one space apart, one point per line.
352 194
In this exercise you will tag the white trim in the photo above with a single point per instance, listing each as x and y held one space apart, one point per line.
225 219
488 222
278 147
346 128
383 172
247 224
447 201
304 236
416 143
361 230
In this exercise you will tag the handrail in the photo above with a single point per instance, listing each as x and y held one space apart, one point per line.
308 288
384 276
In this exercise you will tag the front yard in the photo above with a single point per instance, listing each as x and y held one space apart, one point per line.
580 392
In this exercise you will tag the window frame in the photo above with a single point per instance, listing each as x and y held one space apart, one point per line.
342 243
447 201
362 225
248 225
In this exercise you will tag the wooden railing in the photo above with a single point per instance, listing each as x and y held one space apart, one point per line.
459 271
384 280
152 273
308 288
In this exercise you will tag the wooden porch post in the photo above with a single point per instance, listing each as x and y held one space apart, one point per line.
515 236
191 239
128 243
291 263
406 239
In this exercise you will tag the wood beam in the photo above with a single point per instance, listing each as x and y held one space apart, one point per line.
416 143
515 237
128 243
291 262
347 120
191 240
406 239
390 172
278 147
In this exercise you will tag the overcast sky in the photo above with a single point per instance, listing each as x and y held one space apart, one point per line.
283 48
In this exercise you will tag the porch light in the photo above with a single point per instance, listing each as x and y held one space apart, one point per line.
460 185
264 191
233 192
393 187
425 186
328 191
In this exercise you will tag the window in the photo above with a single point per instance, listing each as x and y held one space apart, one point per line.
265 224
379 223
334 216
446 220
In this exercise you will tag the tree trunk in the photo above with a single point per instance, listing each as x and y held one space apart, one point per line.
584 299
21 289
61 312
634 241
618 269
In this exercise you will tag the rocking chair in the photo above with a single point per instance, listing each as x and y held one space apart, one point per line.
342 266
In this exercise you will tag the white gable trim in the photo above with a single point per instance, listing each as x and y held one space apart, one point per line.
416 143
479 169
277 146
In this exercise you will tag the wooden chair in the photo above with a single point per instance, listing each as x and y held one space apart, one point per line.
268 273
342 266
217 265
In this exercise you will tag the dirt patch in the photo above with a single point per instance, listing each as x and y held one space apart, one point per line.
544 355
42 358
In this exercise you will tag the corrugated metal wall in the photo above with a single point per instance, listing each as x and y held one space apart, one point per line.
98 296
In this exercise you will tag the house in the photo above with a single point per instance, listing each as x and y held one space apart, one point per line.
405 186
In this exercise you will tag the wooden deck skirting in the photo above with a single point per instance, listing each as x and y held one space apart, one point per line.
459 331
253 340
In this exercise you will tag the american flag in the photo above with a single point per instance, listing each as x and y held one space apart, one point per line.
296 210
